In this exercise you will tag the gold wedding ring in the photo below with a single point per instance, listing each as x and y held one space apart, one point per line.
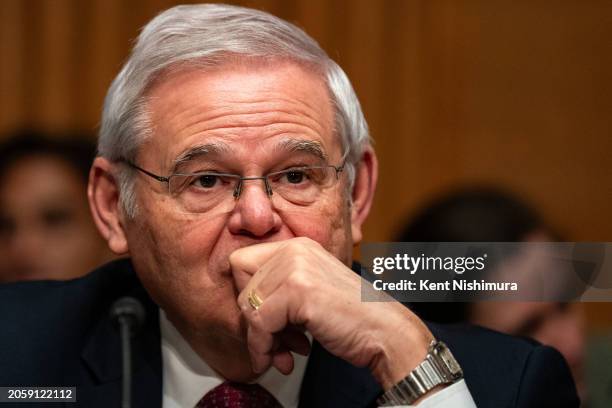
254 300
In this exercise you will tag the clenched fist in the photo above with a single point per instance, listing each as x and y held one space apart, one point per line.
302 287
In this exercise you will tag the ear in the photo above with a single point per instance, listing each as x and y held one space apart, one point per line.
103 194
366 175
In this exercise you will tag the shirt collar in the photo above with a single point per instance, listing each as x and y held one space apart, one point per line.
187 378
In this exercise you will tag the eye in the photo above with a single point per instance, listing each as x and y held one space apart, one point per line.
206 180
295 176
7 226
56 217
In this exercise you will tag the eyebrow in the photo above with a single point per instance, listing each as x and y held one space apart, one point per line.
194 152
304 146
217 148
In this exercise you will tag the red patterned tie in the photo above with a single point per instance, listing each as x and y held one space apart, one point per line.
235 395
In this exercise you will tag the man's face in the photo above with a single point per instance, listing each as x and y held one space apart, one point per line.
46 230
241 119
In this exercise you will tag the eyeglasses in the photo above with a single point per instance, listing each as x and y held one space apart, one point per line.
203 191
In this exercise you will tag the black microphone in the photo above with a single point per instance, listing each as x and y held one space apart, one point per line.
129 315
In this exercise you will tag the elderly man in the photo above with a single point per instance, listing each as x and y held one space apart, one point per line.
236 171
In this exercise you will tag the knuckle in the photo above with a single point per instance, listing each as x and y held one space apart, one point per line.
243 303
299 282
298 261
307 242
302 240
295 245
305 313
300 247
256 322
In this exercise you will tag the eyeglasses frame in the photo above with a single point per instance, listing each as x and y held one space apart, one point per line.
238 189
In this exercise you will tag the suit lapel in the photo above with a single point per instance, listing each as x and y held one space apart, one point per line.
102 357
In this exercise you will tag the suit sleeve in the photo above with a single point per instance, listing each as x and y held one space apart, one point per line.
547 381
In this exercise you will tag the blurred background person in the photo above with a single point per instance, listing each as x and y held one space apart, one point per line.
46 229
487 214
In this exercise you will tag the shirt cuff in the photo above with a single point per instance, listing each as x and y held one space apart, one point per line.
456 395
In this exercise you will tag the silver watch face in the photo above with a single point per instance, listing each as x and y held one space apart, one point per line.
449 360
445 355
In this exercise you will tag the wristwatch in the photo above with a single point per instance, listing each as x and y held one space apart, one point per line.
439 367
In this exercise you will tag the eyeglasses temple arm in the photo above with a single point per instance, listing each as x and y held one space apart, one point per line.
148 173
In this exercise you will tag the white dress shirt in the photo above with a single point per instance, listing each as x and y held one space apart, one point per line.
187 378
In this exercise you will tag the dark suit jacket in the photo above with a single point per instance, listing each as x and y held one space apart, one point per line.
59 333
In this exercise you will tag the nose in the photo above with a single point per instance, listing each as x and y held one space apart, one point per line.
24 248
25 242
254 214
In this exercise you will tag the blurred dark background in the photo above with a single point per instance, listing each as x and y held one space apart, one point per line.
514 94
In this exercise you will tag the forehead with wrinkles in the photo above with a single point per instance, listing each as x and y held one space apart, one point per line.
239 107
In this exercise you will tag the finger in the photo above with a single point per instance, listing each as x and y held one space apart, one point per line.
271 316
283 361
261 345
265 281
244 262
248 262
291 337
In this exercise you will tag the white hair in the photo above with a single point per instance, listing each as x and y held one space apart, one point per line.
206 35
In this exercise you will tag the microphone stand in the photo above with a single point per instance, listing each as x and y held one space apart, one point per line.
128 314
126 358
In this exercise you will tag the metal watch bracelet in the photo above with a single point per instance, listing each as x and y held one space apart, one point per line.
438 368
